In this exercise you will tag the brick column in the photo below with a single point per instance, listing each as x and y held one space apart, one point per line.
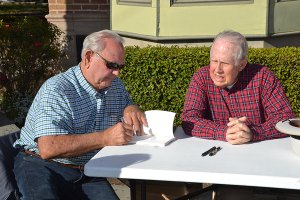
78 18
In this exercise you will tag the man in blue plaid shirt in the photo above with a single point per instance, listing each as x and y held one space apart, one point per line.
73 116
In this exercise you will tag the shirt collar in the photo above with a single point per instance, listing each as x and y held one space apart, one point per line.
230 86
83 82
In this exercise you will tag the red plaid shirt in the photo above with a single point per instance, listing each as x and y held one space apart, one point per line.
257 94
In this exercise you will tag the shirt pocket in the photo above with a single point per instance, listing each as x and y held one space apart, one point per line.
84 124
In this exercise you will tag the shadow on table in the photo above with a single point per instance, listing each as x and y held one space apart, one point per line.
119 160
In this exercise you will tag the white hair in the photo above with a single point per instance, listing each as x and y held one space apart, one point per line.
240 42
95 41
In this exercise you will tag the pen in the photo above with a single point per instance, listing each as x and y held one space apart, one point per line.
215 151
208 151
123 121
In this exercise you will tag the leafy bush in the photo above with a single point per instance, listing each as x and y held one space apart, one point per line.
158 77
22 7
31 50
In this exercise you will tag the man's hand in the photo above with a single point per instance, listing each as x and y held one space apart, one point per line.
136 118
238 132
119 134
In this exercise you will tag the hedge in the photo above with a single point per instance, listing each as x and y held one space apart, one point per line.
158 77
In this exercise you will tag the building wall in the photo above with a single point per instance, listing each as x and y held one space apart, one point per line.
265 23
163 21
134 19
205 20
79 18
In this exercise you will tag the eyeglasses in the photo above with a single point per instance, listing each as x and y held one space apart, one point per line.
111 65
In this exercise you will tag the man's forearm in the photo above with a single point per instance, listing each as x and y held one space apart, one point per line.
205 129
69 145
267 130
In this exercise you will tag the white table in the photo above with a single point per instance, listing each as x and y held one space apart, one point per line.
269 163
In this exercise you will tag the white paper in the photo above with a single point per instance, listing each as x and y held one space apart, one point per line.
159 131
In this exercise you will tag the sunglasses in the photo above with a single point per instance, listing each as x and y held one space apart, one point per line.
111 65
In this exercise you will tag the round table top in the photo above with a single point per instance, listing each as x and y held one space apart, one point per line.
287 128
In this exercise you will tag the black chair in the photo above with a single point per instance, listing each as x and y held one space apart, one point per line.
8 185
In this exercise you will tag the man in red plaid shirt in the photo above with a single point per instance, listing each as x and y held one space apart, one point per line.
232 100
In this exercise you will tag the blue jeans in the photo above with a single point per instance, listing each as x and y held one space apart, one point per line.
40 179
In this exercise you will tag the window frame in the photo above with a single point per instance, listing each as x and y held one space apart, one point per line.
198 2
135 2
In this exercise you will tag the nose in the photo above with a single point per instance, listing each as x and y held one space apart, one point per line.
219 67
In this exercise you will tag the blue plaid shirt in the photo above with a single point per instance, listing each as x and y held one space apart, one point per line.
68 104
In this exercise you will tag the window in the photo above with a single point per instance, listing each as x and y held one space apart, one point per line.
135 2
207 1
285 0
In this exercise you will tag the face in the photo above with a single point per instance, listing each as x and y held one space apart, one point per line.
94 65
223 69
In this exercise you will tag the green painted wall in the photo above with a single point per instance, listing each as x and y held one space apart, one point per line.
256 18
133 19
209 19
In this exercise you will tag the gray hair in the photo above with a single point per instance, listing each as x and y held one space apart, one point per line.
240 42
95 41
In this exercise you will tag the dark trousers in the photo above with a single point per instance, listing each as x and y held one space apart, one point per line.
40 179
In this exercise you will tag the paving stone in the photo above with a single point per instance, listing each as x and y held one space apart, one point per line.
6 126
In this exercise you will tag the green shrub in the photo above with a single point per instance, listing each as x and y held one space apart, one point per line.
158 77
23 7
30 52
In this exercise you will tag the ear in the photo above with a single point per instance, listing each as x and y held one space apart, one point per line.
87 58
242 65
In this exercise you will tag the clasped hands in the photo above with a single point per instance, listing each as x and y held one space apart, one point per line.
238 132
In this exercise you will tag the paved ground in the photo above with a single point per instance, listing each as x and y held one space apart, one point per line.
157 190
6 126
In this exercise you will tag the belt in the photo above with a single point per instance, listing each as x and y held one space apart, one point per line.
80 167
